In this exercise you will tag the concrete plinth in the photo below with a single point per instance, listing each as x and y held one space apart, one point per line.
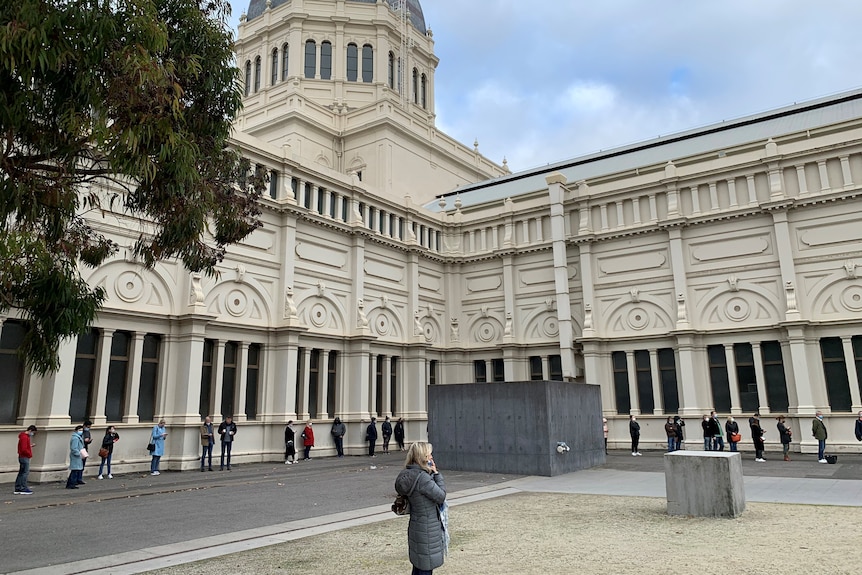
704 483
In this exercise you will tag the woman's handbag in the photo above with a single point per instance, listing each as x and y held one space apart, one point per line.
401 506
151 447
735 437
103 453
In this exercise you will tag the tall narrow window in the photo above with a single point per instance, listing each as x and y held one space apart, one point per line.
718 378
480 371
667 376
746 377
423 92
300 369
149 377
498 369
643 376
228 384
321 197
432 372
84 376
835 371
415 86
621 382
857 356
117 375
325 60
12 370
555 366
378 386
367 63
274 68
251 380
773 372
313 381
310 58
284 72
273 184
206 378
536 368
333 205
247 84
345 202
331 379
391 71
393 385
352 62
307 199
256 74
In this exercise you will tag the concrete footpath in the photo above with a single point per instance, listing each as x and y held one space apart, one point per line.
141 523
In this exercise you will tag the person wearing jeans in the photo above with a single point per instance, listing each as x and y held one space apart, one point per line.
227 431
111 437
207 442
732 429
25 454
157 438
818 430
670 430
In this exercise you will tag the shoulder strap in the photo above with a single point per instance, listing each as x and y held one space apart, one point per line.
415 483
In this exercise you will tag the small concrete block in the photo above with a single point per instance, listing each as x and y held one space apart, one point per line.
704 483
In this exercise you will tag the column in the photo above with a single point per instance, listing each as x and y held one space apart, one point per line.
315 192
824 176
690 403
56 388
621 219
100 387
372 384
695 200
306 378
845 172
713 195
603 210
732 380
327 203
762 397
385 409
752 191
133 385
800 177
633 384
658 398
323 385
546 367
800 383
852 375
218 381
636 210
241 388
653 209
731 192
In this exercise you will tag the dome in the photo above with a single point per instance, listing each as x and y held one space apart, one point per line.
417 18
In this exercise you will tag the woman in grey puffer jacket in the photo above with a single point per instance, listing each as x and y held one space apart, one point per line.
423 485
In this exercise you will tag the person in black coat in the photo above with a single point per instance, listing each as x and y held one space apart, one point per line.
859 427
757 438
386 428
289 444
227 431
679 424
784 434
635 432
706 424
371 436
399 433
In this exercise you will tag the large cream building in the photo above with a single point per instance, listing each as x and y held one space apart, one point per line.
712 269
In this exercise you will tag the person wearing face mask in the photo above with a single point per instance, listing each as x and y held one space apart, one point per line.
25 454
732 430
157 438
88 439
107 450
635 432
76 461
818 430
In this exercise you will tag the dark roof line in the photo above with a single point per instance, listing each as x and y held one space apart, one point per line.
654 144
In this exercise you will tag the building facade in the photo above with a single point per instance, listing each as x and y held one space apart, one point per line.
713 269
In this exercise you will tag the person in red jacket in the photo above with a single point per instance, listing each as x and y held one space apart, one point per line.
25 454
307 440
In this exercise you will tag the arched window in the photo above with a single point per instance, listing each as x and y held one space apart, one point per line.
325 60
247 77
310 58
367 63
273 79
415 86
352 62
284 62
391 71
256 74
424 92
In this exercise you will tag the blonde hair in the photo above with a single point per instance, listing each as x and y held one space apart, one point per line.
419 454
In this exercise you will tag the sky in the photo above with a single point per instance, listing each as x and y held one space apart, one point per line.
542 81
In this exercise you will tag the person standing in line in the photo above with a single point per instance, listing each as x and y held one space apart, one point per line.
605 432
107 450
706 424
858 429
207 443
157 438
289 444
784 434
421 483
399 433
338 431
371 436
227 432
757 438
732 430
25 454
386 429
670 430
307 440
717 438
679 424
88 439
635 432
76 461
818 430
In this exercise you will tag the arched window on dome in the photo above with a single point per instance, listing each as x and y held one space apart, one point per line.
423 88
325 60
247 77
273 79
256 74
352 62
367 63
284 62
415 86
391 71
310 58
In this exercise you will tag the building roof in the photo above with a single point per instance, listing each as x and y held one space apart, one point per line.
417 18
715 137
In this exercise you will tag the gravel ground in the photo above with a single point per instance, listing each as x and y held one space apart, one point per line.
585 534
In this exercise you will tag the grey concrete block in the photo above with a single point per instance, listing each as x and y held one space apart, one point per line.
704 483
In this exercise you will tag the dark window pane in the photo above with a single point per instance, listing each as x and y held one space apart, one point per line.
117 373
257 74
857 355
11 370
835 371
393 386
247 87
313 375
83 377
206 377
499 369
773 372
643 374
228 397
480 369
149 378
300 369
273 184
352 62
746 377
432 375
378 387
274 67
667 373
555 365
310 58
424 92
284 72
325 61
621 382
391 71
252 375
536 368
367 63
718 378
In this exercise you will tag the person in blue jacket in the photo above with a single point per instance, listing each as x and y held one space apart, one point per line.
76 462
157 437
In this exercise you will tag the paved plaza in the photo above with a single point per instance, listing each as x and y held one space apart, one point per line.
137 522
